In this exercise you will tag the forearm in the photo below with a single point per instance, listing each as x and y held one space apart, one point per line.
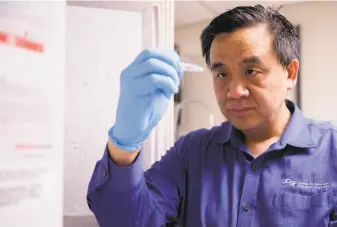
128 208
121 197
121 157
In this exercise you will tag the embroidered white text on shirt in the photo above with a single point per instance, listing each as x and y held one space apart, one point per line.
302 184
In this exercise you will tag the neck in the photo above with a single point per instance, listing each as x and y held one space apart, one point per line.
272 130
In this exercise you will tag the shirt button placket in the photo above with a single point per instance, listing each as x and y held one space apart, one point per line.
246 207
105 172
249 194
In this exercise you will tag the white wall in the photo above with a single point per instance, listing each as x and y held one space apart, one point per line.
319 53
318 22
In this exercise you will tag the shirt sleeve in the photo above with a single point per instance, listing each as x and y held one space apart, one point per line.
128 196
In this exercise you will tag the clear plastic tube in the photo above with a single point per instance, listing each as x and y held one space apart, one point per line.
190 67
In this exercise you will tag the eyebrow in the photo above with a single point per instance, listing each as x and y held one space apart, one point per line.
216 65
253 60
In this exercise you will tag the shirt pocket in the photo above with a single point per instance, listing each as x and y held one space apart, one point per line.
296 210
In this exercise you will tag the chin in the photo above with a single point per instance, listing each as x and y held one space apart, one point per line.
244 125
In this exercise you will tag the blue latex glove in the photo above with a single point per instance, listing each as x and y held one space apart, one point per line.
146 86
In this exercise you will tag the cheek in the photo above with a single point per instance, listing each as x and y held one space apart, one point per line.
278 91
218 90
214 84
220 94
269 96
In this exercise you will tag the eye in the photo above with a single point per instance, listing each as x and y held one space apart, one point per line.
221 75
250 72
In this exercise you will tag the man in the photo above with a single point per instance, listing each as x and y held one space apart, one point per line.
268 166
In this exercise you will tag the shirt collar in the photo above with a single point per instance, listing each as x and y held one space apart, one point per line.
297 132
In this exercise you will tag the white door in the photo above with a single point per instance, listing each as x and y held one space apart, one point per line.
102 39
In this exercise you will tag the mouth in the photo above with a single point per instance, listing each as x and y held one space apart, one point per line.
240 111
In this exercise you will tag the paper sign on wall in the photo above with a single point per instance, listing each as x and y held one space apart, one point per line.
31 113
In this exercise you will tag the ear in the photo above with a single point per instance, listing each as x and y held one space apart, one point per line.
292 71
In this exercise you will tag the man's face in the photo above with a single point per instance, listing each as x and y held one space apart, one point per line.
249 82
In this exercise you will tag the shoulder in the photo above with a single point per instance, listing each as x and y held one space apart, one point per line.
323 125
322 128
324 133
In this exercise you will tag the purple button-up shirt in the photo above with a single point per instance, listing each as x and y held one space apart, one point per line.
210 178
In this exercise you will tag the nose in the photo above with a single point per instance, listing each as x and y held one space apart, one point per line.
237 90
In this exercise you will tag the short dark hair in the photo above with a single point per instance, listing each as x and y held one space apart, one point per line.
286 40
